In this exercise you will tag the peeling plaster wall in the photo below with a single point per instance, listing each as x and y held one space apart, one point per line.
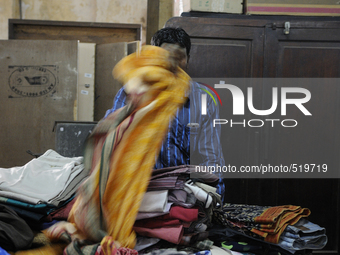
9 9
113 11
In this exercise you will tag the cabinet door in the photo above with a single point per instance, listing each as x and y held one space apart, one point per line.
222 48
309 50
38 87
107 56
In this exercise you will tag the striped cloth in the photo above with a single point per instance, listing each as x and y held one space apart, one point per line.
266 222
123 147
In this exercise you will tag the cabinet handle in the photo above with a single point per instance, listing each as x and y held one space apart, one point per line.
287 28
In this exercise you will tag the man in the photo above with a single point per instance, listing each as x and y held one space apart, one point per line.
189 124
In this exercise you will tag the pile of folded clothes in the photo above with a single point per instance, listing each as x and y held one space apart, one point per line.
181 212
176 210
43 190
283 228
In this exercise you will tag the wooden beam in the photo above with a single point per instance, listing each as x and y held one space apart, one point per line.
158 13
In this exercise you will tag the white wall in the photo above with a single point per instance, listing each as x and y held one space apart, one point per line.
112 11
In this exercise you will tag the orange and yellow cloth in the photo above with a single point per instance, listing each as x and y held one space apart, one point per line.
122 149
263 222
276 219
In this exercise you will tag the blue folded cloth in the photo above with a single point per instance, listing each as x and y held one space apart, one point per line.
303 235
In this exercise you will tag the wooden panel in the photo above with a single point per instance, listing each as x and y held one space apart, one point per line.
218 55
309 60
261 20
309 52
38 87
152 19
222 50
107 56
84 31
158 12
86 80
302 54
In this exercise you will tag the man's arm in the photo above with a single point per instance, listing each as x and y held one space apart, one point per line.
209 144
118 102
206 147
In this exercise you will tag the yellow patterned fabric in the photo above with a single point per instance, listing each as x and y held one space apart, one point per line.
126 144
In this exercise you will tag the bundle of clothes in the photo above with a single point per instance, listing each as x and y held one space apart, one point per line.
178 214
177 210
37 195
285 229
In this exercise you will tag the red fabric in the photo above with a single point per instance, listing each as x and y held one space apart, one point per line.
109 247
61 213
172 234
180 213
154 223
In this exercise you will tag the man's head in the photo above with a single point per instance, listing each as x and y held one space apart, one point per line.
173 36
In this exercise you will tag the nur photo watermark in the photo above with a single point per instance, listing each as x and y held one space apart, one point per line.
265 127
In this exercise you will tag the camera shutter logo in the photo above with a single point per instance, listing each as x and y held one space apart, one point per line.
204 98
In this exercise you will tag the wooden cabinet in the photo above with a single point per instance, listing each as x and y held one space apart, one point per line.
112 40
240 46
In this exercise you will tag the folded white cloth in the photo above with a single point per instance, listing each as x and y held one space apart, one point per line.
207 188
154 201
215 250
51 178
148 215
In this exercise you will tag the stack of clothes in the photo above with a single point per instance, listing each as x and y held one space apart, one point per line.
50 179
303 235
176 209
40 192
283 228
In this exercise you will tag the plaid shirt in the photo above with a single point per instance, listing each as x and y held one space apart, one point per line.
189 124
